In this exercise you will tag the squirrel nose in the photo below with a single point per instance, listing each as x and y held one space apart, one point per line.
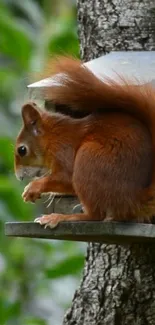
19 174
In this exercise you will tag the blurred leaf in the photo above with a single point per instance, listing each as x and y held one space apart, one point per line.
61 44
30 31
6 152
32 11
11 194
13 39
34 321
63 36
71 265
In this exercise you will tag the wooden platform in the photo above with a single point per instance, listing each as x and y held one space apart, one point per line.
102 232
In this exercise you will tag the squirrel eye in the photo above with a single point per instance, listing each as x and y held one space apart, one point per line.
22 150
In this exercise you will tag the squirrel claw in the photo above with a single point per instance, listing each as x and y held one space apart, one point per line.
37 220
31 193
50 220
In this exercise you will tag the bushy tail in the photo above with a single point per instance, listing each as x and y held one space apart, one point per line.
74 85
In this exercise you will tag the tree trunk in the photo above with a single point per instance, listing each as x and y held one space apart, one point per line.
118 285
106 25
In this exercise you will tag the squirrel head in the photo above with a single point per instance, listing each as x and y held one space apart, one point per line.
29 148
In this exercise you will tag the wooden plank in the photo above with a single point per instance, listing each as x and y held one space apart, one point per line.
102 232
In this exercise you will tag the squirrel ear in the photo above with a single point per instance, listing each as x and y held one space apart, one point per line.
30 114
31 117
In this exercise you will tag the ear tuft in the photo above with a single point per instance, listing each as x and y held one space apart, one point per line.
30 114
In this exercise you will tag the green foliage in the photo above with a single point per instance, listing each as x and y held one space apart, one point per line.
71 265
30 269
12 32
64 41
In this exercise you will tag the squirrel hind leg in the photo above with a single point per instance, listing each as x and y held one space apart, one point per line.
146 211
109 180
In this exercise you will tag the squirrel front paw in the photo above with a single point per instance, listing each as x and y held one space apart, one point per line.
31 192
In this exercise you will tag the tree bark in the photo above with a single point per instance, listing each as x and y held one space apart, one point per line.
118 285
106 25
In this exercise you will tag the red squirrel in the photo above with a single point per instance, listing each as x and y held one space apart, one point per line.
105 157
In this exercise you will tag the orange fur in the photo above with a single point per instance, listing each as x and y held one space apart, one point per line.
83 91
105 158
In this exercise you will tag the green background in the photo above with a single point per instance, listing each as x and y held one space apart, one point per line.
37 277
